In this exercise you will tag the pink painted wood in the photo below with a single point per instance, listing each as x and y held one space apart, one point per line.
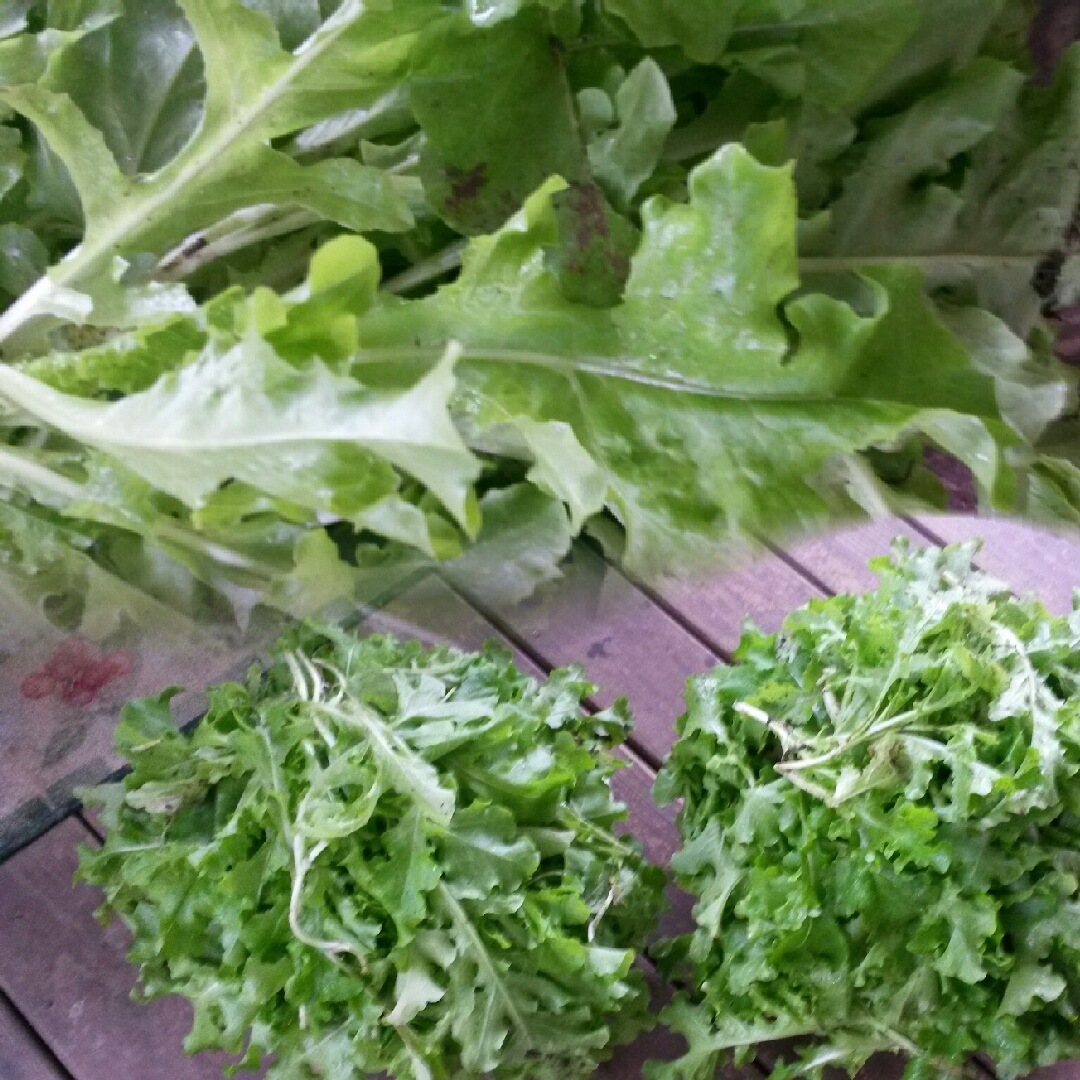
68 977
22 1057
1028 559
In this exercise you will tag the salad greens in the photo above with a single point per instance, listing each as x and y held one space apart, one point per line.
299 295
880 823
376 858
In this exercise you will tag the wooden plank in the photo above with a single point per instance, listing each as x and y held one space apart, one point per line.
1029 558
883 1067
22 1056
774 584
59 699
714 607
837 560
432 612
626 642
630 644
68 976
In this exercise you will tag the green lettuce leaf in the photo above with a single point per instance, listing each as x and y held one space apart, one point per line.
875 805
339 407
255 92
624 158
826 52
660 337
976 182
391 860
478 164
244 414
696 358
139 81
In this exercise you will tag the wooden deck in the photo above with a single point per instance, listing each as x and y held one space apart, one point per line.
65 1012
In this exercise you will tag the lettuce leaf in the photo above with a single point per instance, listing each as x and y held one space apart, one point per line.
878 803
410 868
717 401
619 319
255 91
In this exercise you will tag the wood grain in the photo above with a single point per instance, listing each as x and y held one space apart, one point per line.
22 1057
714 608
1029 559
838 559
67 975
627 644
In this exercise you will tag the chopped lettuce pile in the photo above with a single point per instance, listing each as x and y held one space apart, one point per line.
379 859
297 296
881 824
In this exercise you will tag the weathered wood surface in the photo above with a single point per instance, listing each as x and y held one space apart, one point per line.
22 1055
1042 562
61 694
67 975
596 617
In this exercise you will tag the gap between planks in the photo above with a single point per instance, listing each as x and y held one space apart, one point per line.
23 1054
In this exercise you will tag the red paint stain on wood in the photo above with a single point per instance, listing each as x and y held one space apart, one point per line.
76 673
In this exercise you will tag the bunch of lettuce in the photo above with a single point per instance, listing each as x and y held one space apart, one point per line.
708 269
882 827
379 859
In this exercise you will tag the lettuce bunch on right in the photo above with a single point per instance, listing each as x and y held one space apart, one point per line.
881 823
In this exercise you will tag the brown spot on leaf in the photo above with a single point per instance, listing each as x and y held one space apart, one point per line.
590 215
595 245
465 186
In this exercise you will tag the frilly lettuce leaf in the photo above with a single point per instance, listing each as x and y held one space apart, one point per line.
717 401
872 867
828 51
439 865
684 396
976 182
255 92
659 337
